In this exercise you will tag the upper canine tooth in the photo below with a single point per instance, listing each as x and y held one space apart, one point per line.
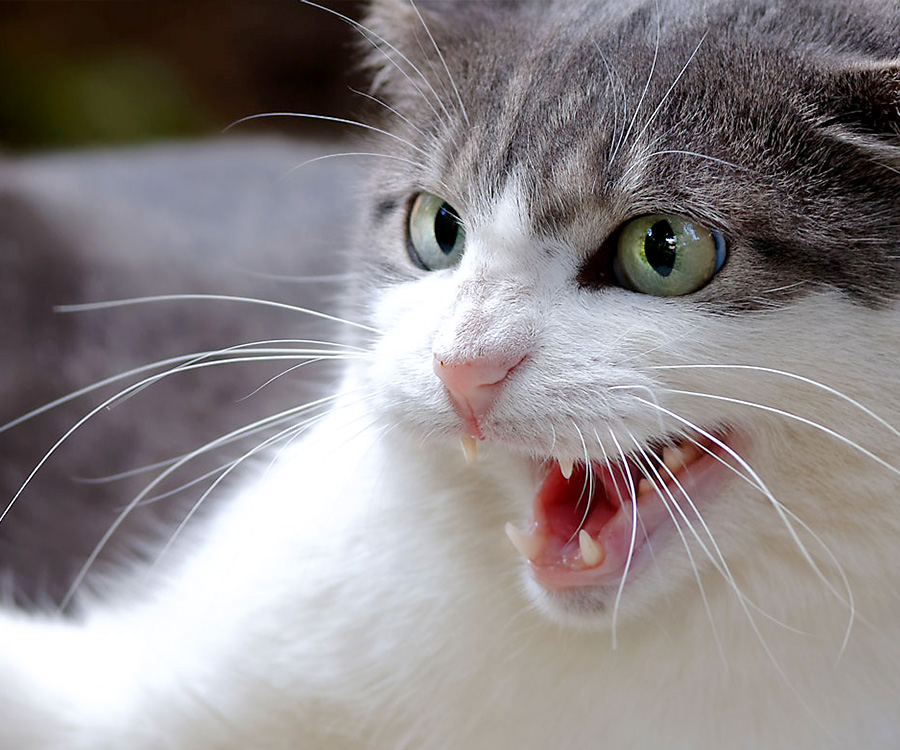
566 465
592 552
528 545
673 458
470 449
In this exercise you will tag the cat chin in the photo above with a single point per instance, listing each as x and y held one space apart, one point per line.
588 609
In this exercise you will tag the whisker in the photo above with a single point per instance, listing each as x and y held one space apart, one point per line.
90 306
783 512
719 561
588 483
107 404
796 417
660 487
440 55
662 101
632 543
289 432
368 35
324 157
206 448
786 374
698 155
393 111
327 118
640 103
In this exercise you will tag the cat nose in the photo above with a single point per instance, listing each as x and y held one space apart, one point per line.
474 384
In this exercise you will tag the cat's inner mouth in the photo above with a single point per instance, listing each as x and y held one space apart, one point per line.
592 521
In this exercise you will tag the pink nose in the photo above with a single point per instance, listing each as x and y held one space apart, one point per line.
474 384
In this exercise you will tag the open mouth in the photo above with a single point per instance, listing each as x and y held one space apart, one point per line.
591 522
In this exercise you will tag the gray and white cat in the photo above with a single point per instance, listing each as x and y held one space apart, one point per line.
629 276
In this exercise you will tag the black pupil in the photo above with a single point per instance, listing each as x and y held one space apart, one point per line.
660 247
446 228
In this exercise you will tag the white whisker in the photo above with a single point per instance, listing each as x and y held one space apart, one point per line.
462 107
327 118
796 417
784 513
643 95
369 35
786 374
632 543
90 306
206 448
393 111
662 101
662 490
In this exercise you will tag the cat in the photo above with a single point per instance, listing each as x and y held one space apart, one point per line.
626 283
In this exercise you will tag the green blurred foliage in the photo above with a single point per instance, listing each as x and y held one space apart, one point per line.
115 98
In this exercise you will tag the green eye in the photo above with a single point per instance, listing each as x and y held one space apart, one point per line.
667 255
436 237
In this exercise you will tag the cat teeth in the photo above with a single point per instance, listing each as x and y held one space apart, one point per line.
673 458
528 545
566 466
470 449
644 487
592 552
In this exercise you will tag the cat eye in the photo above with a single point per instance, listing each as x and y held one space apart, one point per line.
667 255
436 236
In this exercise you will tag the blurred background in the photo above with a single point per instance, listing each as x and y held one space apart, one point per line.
79 73
212 215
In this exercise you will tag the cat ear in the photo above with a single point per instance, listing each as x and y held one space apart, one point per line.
385 17
413 46
393 31
863 101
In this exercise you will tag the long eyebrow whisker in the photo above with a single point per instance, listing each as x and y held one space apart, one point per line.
391 109
368 34
462 107
327 118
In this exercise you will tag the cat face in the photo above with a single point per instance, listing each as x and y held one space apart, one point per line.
635 250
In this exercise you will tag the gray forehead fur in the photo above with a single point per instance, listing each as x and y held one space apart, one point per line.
774 122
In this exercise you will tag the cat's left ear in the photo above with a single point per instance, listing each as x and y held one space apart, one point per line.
864 98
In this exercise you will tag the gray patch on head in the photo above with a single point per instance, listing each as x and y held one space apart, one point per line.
772 122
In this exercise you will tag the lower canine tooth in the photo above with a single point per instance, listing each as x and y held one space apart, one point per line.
566 465
644 486
470 449
528 545
592 552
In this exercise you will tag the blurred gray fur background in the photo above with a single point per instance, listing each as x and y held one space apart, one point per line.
172 207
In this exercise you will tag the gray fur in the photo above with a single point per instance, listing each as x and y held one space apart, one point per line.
795 104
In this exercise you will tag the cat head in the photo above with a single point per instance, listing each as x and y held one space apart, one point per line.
649 251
